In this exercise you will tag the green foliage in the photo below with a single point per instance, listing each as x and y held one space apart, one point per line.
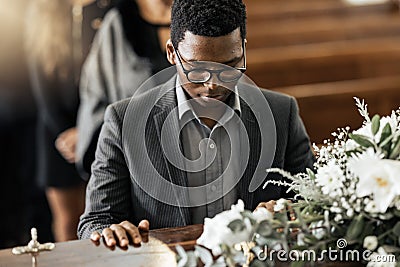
361 140
236 226
355 228
375 124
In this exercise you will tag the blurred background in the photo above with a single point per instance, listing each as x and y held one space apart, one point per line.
17 134
22 203
323 52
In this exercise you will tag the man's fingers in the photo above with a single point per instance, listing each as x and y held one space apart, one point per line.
120 234
95 236
268 205
144 225
109 237
132 231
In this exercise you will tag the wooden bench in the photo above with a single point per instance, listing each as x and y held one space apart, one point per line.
323 29
324 62
295 9
324 53
326 106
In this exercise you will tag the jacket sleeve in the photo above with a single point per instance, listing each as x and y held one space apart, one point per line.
97 81
299 154
108 194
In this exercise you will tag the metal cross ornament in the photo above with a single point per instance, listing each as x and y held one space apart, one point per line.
33 247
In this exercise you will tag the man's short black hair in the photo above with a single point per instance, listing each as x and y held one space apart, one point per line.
211 18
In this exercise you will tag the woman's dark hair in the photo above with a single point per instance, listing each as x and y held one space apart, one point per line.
211 18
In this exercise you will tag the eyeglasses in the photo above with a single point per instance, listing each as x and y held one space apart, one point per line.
202 75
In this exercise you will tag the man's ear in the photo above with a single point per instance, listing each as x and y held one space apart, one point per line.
170 52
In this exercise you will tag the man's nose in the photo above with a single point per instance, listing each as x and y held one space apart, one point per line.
213 82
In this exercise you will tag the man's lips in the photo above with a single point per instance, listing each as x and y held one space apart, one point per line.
215 97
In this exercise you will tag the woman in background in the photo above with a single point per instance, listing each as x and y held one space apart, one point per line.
54 52
128 49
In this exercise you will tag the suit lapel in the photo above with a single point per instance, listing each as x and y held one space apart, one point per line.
253 134
167 127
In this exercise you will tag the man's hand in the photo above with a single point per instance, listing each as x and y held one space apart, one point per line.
120 234
268 205
281 205
66 144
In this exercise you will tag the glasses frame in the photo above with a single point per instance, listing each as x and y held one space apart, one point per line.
218 72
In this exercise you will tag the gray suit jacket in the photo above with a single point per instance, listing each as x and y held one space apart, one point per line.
112 196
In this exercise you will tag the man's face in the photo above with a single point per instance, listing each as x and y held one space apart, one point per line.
226 50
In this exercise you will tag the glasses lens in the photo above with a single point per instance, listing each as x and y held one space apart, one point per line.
198 75
230 75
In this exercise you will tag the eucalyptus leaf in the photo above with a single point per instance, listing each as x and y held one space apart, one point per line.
236 225
375 124
305 210
362 140
311 174
274 239
396 229
355 151
396 212
395 151
264 229
386 136
295 224
386 142
368 230
310 239
314 219
386 132
355 228
282 217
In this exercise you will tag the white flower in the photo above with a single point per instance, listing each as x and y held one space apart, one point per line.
338 218
300 239
377 177
350 213
335 210
262 214
351 145
318 229
371 207
330 178
370 242
217 232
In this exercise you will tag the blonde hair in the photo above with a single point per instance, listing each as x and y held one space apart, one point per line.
48 34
